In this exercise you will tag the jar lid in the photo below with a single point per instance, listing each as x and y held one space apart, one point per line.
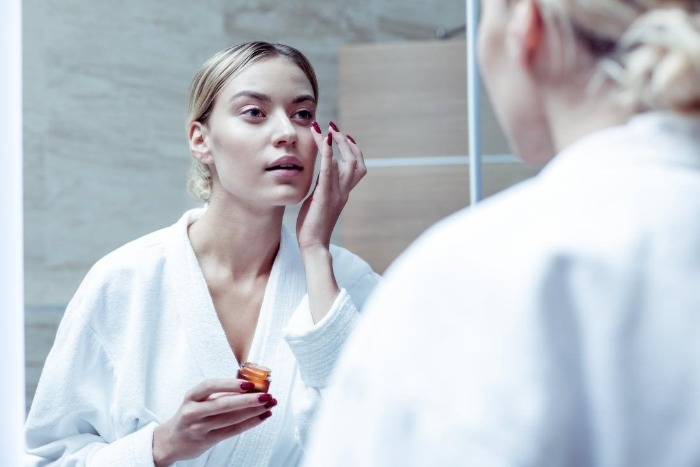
260 370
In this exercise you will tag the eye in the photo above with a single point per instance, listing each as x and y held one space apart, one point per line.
252 112
304 114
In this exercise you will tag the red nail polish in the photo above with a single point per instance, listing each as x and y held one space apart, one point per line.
247 385
264 397
329 140
350 139
271 404
335 128
265 415
316 127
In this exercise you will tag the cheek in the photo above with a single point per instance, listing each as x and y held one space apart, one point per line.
237 151
307 148
223 145
309 153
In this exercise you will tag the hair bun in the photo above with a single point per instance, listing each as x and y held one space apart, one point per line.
660 57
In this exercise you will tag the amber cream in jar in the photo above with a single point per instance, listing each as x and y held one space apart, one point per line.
256 374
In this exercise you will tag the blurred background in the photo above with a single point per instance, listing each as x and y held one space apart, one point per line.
105 154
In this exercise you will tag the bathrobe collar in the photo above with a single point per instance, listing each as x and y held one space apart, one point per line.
204 334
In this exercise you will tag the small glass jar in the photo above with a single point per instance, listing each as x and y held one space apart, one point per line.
256 374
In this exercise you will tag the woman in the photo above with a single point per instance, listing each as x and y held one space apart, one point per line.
555 324
143 369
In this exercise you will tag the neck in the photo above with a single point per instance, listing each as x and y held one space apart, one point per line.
575 113
240 240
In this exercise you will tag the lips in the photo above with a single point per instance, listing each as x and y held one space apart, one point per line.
286 163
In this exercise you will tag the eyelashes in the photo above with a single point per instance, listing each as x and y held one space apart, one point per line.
307 114
253 112
256 113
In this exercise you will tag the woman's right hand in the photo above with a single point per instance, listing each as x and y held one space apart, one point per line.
212 411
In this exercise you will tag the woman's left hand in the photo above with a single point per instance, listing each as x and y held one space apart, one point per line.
337 177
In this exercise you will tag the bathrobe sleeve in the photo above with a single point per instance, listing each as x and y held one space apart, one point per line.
73 424
317 347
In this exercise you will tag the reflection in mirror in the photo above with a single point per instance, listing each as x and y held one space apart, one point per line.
106 157
225 287
104 91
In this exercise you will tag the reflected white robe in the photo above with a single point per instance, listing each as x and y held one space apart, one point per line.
141 331
555 324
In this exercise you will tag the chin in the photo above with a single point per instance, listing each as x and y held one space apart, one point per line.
292 199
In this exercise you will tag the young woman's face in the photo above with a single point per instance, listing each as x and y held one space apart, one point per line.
259 135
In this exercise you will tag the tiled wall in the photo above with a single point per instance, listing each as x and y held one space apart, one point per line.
104 91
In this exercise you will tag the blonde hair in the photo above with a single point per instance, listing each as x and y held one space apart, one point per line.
649 49
211 78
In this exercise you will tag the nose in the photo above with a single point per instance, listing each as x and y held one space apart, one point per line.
284 132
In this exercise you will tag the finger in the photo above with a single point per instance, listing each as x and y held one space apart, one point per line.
356 151
324 149
233 403
318 177
361 167
233 430
335 177
353 167
223 420
325 174
209 387
348 160
318 136
342 143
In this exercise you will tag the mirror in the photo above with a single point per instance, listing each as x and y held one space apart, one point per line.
105 155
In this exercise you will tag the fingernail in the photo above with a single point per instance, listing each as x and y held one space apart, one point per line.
350 139
329 140
316 127
265 415
247 385
271 404
335 128
265 397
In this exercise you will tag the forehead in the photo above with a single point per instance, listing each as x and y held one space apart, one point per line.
270 76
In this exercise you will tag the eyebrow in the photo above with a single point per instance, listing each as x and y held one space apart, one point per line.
266 98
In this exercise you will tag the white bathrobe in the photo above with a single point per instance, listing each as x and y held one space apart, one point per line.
141 331
555 324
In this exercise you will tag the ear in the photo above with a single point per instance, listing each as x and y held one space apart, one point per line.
199 143
526 35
